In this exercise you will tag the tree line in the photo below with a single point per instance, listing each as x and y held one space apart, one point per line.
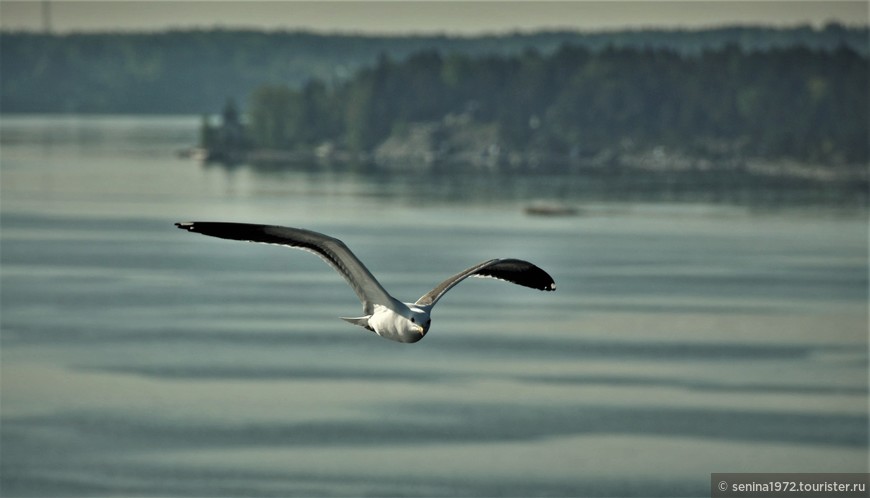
193 71
800 103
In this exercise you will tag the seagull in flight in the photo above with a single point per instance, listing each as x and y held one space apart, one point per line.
383 314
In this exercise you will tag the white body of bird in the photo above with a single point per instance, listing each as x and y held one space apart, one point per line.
408 325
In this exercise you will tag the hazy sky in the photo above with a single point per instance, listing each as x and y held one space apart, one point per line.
452 17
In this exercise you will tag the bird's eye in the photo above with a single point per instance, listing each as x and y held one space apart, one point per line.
413 321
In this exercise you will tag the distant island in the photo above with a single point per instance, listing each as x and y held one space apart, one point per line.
757 100
795 111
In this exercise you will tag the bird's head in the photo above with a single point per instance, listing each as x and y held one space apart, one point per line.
418 320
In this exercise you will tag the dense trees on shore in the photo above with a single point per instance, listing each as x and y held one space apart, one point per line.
736 91
786 103
195 71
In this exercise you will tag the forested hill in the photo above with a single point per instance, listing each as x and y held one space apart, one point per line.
196 71
809 105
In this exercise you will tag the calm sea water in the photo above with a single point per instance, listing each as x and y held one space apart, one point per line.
137 360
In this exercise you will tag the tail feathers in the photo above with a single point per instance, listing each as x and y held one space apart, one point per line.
362 321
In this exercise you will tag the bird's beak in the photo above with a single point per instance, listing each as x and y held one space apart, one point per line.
421 330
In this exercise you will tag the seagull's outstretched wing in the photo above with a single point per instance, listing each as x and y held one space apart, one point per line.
515 271
330 249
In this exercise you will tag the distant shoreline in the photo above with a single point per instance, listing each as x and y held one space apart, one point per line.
653 162
760 179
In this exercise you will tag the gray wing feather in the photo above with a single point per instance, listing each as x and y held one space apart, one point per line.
515 271
331 250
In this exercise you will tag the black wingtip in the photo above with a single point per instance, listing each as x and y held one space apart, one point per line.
546 284
533 276
185 225
520 272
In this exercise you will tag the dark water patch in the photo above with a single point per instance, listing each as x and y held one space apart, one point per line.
119 479
226 298
456 184
478 345
580 348
321 336
433 423
273 373
699 385
720 308
81 478
497 421
107 334
840 284
75 223
219 372
37 481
